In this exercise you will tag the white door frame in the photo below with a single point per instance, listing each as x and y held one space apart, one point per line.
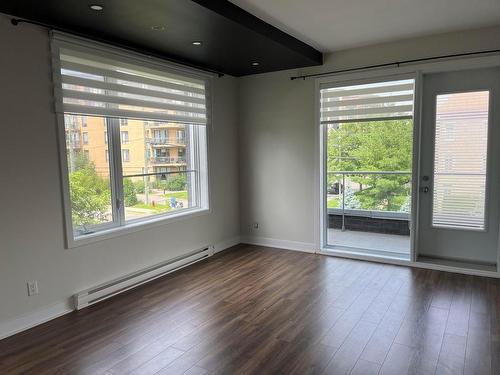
417 70
323 154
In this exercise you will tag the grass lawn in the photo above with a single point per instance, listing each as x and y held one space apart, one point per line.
177 195
333 203
156 208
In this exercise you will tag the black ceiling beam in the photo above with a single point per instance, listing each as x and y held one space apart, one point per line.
16 21
242 17
235 42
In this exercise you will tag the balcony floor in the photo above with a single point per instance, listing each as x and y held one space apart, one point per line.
391 245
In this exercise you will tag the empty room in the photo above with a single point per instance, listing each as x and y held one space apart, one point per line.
250 187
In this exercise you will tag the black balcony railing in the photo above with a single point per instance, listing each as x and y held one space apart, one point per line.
342 191
167 141
168 160
159 141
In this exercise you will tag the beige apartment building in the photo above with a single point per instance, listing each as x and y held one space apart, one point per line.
146 146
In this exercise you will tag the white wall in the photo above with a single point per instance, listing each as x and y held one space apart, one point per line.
278 186
31 221
273 171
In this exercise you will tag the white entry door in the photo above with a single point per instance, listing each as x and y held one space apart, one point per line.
459 181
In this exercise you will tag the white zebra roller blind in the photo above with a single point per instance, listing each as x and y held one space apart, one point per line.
106 82
365 102
460 160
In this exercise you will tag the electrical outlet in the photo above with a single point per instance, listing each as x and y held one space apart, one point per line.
255 225
32 288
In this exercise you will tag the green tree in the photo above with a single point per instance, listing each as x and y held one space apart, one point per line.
406 206
129 193
351 200
140 186
90 194
373 146
177 183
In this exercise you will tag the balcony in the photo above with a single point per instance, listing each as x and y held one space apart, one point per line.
159 141
166 142
161 160
370 210
156 124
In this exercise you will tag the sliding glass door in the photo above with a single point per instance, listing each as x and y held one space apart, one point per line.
368 154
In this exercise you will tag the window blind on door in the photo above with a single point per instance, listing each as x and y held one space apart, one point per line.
460 160
365 102
108 82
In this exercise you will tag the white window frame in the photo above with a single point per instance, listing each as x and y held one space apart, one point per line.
124 136
119 226
125 151
199 163
321 142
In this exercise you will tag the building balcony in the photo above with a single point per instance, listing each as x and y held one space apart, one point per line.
160 141
73 144
370 209
167 142
163 125
166 160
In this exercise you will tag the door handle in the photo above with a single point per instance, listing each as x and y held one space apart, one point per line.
424 189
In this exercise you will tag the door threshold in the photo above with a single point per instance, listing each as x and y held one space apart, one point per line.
458 263
427 263
363 254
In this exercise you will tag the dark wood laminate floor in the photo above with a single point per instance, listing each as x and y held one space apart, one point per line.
255 310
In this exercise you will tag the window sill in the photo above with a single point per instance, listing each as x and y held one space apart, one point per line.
102 235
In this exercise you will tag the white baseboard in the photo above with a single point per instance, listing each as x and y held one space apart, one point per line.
226 244
305 247
27 321
12 326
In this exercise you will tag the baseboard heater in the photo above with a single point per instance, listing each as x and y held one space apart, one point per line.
112 288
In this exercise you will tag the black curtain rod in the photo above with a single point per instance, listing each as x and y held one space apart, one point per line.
395 64
17 21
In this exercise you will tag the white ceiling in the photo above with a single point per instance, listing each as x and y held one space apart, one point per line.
330 25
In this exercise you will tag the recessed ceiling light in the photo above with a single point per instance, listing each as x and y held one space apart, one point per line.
255 63
197 43
96 7
158 28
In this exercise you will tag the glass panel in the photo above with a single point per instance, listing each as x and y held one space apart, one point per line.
154 177
380 100
89 172
460 155
369 185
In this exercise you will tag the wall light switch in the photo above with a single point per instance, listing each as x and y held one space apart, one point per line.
32 287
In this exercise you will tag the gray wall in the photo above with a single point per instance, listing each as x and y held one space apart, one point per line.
274 170
31 215
278 185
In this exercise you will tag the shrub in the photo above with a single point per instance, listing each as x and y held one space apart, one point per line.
129 193
177 183
139 187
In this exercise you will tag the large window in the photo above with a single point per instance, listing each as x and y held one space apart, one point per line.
369 147
142 156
